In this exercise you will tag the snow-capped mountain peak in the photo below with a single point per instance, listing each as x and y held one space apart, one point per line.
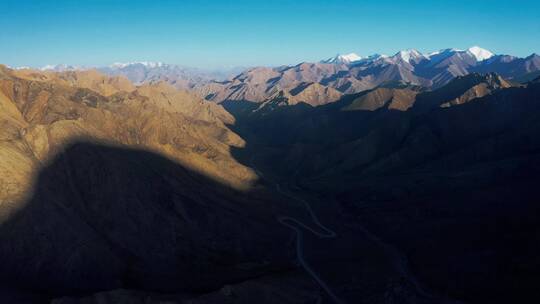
444 51
351 57
61 68
148 64
48 67
409 55
480 53
346 58
20 67
374 57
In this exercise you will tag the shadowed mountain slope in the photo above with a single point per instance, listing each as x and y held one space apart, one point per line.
443 178
105 203
104 217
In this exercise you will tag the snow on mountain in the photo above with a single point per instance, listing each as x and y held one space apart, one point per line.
148 64
61 68
346 58
443 51
440 55
374 57
20 68
480 53
413 56
48 67
409 56
404 55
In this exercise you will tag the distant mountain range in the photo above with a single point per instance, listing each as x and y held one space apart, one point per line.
477 52
149 72
176 75
326 81
351 73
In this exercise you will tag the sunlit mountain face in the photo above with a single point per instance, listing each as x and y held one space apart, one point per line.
269 152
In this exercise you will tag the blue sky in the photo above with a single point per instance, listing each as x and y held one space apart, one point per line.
212 34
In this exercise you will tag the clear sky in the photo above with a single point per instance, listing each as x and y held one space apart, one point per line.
223 33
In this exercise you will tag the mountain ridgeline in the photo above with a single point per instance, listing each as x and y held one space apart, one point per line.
385 179
324 82
318 83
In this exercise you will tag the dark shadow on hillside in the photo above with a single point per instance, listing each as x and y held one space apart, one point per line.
453 188
104 217
271 134
290 135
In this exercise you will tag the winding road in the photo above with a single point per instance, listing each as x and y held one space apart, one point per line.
294 224
398 259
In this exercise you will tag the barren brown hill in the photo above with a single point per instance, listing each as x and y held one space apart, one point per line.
313 94
39 117
259 84
462 90
393 99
